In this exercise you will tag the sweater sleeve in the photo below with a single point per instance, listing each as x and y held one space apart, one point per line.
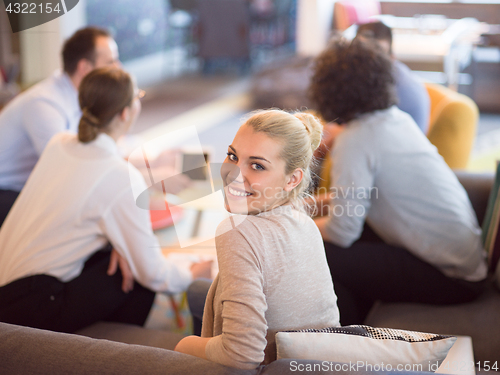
352 186
128 228
244 325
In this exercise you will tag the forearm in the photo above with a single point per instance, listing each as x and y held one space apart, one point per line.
340 229
193 345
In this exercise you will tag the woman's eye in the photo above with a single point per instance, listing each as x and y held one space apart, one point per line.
257 167
231 156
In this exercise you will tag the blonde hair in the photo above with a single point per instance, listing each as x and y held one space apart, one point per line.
300 134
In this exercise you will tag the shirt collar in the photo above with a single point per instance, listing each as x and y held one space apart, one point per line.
105 142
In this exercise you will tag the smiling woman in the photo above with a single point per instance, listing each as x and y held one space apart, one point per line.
273 273
273 152
262 188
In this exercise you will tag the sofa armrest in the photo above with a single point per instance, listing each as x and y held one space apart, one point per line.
26 350
131 334
478 187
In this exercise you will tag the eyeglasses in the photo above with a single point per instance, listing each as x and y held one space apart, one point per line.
140 94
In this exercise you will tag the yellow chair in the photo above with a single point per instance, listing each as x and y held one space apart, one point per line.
452 125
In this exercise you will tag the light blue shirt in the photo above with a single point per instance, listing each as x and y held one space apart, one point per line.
29 121
412 95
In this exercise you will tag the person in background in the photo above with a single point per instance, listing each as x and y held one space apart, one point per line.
31 119
411 92
75 207
273 274
426 246
412 96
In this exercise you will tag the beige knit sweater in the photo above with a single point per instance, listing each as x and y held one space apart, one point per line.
273 276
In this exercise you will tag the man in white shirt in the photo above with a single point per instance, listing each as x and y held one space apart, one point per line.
30 120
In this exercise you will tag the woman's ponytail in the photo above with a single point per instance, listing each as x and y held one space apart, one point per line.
88 128
313 127
103 93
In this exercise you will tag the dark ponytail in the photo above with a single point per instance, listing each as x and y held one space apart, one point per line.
103 94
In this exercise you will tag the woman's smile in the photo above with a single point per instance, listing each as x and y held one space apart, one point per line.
237 192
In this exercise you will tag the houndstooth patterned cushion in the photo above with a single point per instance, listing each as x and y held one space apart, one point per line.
395 349
379 333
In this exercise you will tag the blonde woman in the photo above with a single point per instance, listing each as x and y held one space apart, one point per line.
273 270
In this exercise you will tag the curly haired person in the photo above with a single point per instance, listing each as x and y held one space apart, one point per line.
385 173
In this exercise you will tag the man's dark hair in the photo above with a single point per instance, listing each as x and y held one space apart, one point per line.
376 30
350 79
81 45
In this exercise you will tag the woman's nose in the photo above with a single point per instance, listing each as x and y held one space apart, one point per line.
231 173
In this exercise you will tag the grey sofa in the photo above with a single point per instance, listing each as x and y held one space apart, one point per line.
32 351
112 348
478 319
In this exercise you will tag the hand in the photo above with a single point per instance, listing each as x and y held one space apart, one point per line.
193 345
202 270
117 260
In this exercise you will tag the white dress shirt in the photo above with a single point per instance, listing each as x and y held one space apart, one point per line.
29 121
386 171
78 197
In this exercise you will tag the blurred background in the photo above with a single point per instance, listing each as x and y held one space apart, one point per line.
207 62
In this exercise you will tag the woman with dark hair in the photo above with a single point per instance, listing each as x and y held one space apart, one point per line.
427 245
79 200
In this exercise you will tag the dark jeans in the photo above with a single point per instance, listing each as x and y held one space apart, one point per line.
42 301
7 199
371 271
196 296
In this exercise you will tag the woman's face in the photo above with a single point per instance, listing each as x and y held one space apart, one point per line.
254 173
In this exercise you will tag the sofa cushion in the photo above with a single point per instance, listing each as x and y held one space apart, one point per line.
375 346
477 319
130 334
32 351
